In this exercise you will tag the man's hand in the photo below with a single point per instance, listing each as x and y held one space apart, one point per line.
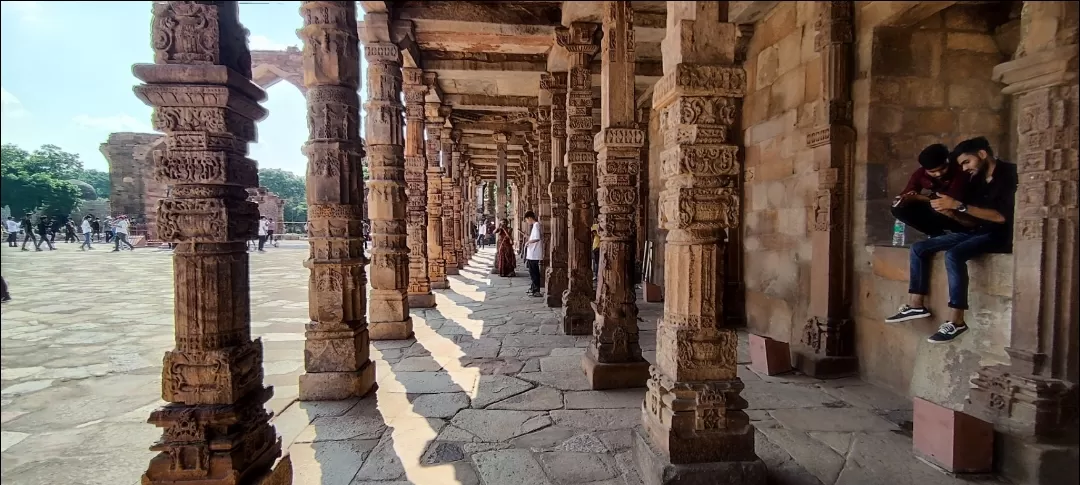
944 203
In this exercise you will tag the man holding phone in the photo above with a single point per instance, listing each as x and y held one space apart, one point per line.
938 174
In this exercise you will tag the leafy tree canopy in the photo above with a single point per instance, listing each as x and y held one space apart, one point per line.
98 180
290 187
39 179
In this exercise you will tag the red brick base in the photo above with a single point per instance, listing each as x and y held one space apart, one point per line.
955 441
768 356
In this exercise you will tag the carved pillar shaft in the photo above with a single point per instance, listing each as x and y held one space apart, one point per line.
436 258
580 41
500 178
336 349
642 233
543 169
215 429
613 359
389 274
556 279
827 345
492 211
1033 400
449 207
693 411
458 180
416 178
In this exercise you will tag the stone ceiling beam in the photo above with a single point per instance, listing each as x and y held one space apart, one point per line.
483 61
483 102
748 12
516 141
469 127
522 13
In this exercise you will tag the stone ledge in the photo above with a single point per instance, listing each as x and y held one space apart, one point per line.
991 274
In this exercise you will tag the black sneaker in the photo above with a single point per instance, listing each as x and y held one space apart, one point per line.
908 313
946 332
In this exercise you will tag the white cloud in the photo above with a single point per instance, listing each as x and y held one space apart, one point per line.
264 43
112 123
10 106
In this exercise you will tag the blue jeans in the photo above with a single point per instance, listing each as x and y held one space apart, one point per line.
86 239
959 248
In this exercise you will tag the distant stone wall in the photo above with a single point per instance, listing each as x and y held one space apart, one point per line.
270 205
135 191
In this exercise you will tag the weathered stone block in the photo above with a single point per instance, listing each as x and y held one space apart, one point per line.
614 375
952 440
335 386
768 356
657 469
654 293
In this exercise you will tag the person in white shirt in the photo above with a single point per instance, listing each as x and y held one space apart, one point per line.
264 229
481 233
120 232
12 232
534 250
87 231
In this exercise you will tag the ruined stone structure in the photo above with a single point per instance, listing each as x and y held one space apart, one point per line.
135 188
755 145
270 205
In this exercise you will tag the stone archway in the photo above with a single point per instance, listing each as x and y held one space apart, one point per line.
270 67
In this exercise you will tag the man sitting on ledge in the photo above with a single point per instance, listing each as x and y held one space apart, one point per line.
989 197
938 174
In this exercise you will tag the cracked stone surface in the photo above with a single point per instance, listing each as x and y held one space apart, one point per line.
489 392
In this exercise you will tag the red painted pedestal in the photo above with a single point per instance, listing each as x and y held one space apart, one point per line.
768 356
952 440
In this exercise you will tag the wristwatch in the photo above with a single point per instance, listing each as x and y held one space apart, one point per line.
961 208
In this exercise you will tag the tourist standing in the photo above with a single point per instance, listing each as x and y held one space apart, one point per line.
12 232
270 232
505 262
119 233
263 228
44 226
534 250
481 238
87 230
95 228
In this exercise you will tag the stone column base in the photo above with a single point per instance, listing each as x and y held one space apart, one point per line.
421 301
453 270
393 330
614 375
335 386
435 285
1029 463
824 367
576 324
657 469
280 474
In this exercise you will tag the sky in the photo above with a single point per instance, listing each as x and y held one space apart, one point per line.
65 74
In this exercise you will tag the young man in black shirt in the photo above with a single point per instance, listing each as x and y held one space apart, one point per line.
988 204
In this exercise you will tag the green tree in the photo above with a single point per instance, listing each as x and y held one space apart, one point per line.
30 181
290 187
98 180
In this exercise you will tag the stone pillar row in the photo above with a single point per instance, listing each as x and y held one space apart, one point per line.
420 295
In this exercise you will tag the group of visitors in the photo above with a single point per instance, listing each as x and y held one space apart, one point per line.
963 199
43 232
266 233
506 261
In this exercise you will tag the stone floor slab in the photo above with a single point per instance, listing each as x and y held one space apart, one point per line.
513 466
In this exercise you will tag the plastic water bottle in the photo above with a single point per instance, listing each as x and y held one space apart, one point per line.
898 233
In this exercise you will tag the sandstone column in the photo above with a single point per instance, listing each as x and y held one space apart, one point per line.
613 359
337 363
694 417
215 429
416 177
457 183
580 41
449 207
435 253
1032 401
642 235
556 278
827 345
388 317
501 181
543 168
492 209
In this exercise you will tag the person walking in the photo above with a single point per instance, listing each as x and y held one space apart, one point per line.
87 232
69 231
481 238
13 232
120 232
44 227
534 250
95 228
263 229
27 227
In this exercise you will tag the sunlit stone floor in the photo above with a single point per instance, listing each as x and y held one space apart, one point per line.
489 391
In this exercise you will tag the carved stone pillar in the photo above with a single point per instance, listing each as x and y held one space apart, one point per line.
500 177
556 278
580 41
388 315
1033 401
458 180
216 430
642 232
543 169
436 259
337 361
416 177
693 413
613 359
827 347
449 206
492 211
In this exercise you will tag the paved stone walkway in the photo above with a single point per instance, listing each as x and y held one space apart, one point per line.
488 393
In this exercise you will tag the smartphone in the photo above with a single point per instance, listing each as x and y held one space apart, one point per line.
897 200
